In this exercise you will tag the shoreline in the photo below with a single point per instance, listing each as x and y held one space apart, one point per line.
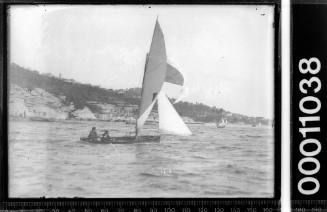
128 122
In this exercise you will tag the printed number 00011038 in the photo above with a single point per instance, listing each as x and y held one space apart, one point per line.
311 66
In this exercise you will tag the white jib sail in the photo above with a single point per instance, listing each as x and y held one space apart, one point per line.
141 120
169 120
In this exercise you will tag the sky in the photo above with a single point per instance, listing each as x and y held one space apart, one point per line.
225 52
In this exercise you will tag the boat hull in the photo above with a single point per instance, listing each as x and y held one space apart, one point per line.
123 140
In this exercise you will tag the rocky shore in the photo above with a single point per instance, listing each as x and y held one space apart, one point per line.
40 105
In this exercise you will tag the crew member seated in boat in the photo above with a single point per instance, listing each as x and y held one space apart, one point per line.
105 135
93 133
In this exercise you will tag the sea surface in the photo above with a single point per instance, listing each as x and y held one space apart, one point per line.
48 159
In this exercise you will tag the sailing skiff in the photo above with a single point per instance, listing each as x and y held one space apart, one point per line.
156 72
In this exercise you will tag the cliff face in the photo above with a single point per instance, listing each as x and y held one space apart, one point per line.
37 103
75 92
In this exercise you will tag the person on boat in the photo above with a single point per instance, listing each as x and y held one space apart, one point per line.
93 134
105 135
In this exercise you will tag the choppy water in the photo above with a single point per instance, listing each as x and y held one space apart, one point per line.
47 159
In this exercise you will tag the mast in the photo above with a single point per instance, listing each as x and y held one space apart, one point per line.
146 61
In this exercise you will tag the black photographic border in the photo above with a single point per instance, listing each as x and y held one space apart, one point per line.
129 203
307 40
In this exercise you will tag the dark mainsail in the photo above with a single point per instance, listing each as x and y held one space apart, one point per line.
154 75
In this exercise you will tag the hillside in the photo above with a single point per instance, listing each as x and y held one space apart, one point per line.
75 92
94 97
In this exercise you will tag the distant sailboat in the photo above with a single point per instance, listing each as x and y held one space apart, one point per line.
156 72
222 123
